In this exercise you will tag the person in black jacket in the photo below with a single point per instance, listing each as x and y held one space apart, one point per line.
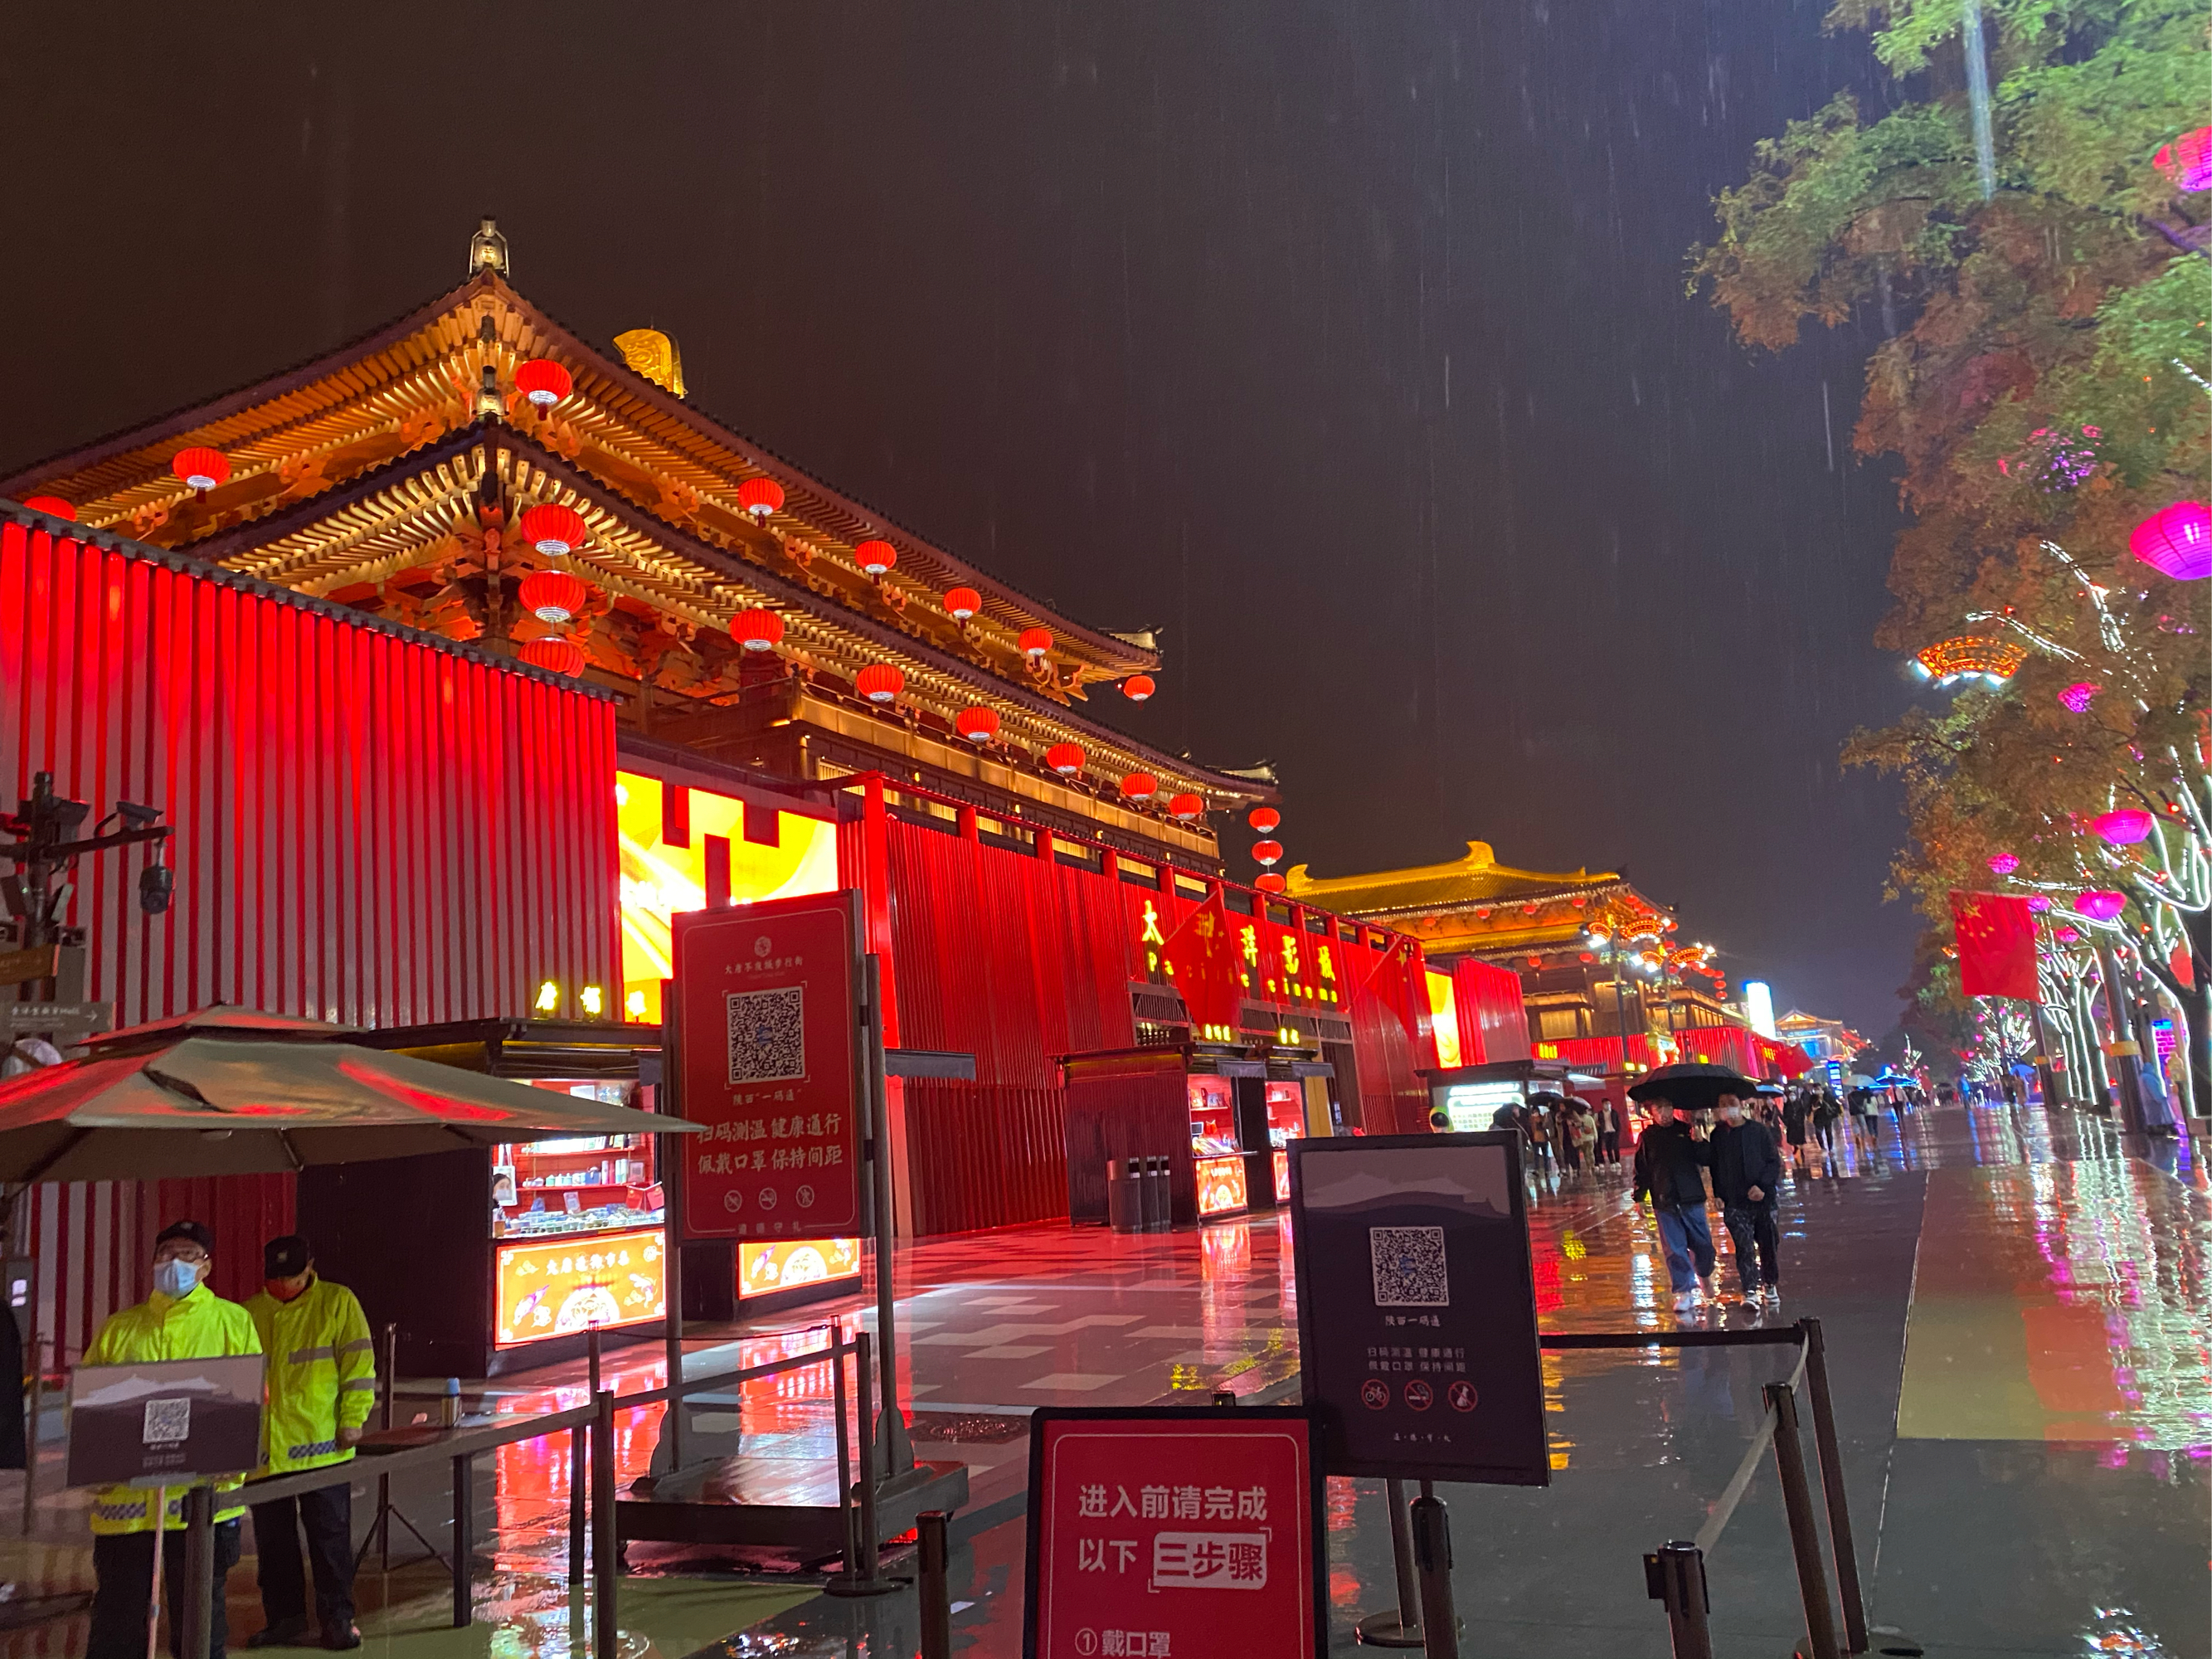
1671 1158
1747 1169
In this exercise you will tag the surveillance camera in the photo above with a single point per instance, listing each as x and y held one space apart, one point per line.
155 884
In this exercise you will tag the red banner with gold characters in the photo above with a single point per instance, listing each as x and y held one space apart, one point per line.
768 1057
1996 946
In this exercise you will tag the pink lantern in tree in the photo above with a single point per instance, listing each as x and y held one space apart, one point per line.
2078 696
2004 864
2187 161
2125 827
2100 904
2036 902
2176 541
2069 935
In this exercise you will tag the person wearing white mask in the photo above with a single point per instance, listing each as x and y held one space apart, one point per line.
181 1320
1747 1169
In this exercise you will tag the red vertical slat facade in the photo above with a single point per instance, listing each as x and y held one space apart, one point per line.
368 829
1019 960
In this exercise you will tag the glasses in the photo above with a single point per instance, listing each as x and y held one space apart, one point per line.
190 1252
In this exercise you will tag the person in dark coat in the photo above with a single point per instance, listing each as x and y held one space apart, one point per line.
1671 1158
1747 1169
1794 1110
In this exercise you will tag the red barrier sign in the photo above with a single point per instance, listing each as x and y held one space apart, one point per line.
1184 1534
766 1053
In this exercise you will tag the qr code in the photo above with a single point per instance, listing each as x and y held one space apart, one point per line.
767 1035
167 1421
1409 1267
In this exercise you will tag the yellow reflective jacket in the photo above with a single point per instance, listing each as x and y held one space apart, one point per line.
322 1374
199 1324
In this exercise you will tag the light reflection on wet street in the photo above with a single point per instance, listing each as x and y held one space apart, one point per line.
2016 1316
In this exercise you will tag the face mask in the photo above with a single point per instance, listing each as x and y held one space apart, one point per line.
283 1289
175 1277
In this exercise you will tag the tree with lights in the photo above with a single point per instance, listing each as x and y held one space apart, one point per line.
2037 257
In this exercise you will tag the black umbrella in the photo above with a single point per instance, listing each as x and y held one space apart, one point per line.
1693 1086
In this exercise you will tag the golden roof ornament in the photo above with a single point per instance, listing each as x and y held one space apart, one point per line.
654 355
488 250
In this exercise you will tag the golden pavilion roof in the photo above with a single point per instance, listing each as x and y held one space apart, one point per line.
1474 903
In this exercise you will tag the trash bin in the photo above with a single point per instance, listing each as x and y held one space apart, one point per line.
1125 1196
1158 1216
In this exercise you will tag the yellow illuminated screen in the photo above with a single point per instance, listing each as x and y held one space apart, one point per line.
782 1265
658 880
1443 1019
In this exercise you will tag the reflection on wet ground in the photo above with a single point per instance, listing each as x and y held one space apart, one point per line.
2016 1314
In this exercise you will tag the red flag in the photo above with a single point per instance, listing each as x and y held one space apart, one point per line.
1996 946
1201 960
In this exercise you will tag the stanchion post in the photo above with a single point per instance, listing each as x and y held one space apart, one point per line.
930 1533
580 1512
1675 1574
1398 1627
592 1360
1826 1442
838 1350
1804 1536
863 1565
1432 1559
30 1431
200 1587
464 1544
604 1633
384 1481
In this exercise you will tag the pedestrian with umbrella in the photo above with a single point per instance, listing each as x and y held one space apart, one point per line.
1672 1156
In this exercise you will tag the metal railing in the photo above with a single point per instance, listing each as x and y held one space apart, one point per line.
592 1543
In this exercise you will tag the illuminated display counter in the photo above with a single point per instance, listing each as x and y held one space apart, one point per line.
1223 1115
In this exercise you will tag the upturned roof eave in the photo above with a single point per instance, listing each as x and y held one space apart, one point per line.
377 480
59 472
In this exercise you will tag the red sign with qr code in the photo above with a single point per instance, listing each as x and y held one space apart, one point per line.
1181 1533
767 1058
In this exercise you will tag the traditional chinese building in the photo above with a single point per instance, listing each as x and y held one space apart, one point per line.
1595 957
464 656
1823 1039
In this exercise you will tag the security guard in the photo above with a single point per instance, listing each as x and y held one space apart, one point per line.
322 1381
181 1320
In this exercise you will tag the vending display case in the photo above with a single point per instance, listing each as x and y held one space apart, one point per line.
1223 1115
1471 1096
503 1257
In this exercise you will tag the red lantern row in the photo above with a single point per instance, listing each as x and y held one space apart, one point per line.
555 655
554 529
544 381
760 496
555 596
201 469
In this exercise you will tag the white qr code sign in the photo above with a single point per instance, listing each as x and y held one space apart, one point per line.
166 1422
767 1035
1409 1267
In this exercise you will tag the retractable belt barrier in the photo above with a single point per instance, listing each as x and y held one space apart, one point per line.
591 1426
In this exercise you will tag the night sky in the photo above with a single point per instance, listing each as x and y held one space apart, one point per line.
1346 344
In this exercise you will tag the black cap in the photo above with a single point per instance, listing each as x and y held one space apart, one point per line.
192 1230
281 1258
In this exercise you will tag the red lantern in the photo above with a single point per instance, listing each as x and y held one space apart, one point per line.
879 681
544 381
1268 852
1184 808
1064 758
554 656
962 602
1035 642
1137 687
1271 883
554 529
1140 786
554 596
201 469
1266 819
761 496
53 505
978 724
875 556
757 630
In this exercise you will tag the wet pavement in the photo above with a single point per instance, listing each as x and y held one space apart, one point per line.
2019 1330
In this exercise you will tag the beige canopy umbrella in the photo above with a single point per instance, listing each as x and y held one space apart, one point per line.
235 1092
